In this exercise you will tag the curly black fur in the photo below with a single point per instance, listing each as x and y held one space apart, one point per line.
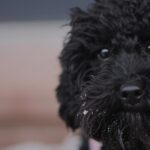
89 84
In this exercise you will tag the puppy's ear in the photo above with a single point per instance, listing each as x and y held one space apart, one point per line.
68 103
74 64
67 90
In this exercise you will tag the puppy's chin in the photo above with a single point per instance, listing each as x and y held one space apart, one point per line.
129 125
118 121
136 116
134 119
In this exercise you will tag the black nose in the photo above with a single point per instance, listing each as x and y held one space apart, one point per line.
131 94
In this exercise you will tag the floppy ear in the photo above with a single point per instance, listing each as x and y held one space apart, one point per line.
73 63
67 91
68 103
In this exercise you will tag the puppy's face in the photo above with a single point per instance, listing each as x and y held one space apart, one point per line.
115 90
107 60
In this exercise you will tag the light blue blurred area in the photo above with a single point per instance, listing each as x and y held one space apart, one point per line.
24 10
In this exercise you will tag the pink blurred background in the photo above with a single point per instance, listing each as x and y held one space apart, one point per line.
31 39
29 72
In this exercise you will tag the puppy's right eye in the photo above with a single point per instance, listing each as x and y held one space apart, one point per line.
104 53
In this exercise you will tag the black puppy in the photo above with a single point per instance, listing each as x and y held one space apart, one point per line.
105 84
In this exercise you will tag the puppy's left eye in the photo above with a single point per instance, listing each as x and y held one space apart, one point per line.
104 53
147 49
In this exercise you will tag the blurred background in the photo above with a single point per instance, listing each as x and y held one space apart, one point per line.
31 38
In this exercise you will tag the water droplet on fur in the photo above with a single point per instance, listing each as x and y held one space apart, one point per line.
108 129
92 76
85 112
83 96
84 104
99 114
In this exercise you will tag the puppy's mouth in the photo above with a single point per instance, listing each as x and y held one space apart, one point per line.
133 108
136 108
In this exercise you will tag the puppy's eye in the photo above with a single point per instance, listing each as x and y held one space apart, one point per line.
104 53
147 49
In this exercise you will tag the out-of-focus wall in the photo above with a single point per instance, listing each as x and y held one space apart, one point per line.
29 10
31 38
29 71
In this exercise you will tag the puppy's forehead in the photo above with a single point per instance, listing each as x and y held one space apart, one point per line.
123 40
128 17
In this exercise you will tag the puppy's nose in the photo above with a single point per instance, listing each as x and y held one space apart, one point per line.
131 94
